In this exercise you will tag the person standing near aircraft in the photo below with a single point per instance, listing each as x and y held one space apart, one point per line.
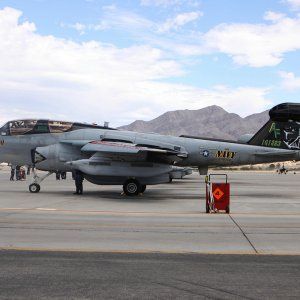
57 175
18 173
12 173
78 182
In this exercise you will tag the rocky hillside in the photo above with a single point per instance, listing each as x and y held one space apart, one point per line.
212 121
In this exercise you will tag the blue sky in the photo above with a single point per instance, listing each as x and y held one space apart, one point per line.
93 60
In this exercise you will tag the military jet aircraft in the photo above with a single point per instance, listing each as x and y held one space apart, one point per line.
134 160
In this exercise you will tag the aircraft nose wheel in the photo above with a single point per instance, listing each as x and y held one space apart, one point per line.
131 187
34 188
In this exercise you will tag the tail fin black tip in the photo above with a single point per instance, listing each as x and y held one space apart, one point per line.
285 112
282 130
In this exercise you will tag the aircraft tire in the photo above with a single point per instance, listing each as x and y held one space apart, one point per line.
143 188
131 187
34 188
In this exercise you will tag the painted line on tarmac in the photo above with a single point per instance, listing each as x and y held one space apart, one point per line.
130 251
104 212
14 208
147 251
150 213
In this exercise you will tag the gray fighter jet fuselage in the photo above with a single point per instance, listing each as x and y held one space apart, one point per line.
108 156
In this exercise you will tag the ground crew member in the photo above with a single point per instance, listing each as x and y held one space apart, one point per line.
12 173
22 174
18 172
78 182
57 174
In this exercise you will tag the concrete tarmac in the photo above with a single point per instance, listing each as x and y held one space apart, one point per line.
170 218
75 275
160 245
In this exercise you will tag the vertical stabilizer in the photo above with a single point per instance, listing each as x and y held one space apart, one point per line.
282 130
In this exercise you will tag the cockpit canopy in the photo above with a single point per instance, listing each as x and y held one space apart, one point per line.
34 126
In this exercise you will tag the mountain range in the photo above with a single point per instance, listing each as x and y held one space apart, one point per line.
212 122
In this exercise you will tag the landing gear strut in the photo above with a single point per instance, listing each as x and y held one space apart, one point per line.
35 187
143 188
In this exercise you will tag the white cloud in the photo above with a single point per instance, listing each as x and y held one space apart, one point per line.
79 27
114 18
179 21
273 16
159 2
168 3
82 28
256 45
294 4
91 81
289 81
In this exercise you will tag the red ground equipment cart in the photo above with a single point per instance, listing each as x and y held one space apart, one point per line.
217 194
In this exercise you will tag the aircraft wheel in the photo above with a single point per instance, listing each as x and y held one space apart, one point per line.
131 187
34 188
143 188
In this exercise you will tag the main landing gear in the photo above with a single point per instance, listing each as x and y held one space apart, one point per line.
35 187
132 187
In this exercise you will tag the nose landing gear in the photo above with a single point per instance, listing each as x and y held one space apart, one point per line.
35 187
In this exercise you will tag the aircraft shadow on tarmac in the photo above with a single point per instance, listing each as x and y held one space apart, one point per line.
155 193
150 195
114 193
117 196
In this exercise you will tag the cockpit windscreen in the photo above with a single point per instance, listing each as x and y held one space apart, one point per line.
25 127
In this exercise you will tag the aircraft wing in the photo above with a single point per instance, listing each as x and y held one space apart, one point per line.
119 149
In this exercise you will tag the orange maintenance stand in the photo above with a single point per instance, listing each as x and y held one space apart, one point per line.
217 194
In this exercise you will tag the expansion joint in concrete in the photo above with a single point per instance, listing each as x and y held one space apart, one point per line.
244 234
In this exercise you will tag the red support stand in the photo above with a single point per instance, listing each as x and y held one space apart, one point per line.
217 194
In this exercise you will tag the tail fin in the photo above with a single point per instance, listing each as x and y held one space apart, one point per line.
282 130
